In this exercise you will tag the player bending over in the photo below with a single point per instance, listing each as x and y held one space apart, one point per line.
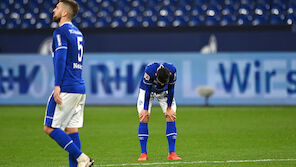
158 81
64 113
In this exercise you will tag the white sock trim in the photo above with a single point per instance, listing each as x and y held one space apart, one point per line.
170 134
68 144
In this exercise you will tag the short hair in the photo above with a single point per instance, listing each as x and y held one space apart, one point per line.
73 5
163 75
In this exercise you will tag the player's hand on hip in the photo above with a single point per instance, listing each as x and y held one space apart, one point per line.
170 115
144 116
56 95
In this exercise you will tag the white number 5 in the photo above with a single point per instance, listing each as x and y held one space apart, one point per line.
80 49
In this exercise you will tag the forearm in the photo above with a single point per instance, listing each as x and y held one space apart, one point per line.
147 97
170 95
59 65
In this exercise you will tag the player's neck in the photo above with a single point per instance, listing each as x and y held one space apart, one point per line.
63 21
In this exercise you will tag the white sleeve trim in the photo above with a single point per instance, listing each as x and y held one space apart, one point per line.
147 83
61 47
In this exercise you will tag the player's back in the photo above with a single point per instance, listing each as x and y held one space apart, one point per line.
69 37
149 77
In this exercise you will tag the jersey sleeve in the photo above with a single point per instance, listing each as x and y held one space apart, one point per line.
147 97
60 55
148 76
148 79
59 40
171 84
173 75
171 90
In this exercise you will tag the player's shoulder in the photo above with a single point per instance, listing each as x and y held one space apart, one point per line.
60 30
170 66
66 29
152 67
57 31
72 29
150 71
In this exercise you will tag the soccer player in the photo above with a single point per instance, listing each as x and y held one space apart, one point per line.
158 82
64 113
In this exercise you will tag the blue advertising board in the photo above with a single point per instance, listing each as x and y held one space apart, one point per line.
113 78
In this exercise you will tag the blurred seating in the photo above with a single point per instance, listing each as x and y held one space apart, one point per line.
132 22
179 21
28 21
277 19
290 19
227 20
163 22
118 22
228 10
30 14
243 20
149 22
259 20
195 21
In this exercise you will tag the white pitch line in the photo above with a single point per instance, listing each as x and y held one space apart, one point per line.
197 162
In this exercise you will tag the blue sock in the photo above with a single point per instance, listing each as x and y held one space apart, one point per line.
76 140
171 133
143 136
65 142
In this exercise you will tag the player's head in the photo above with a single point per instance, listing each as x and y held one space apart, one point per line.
163 75
65 8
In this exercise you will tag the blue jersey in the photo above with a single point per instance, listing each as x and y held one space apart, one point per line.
149 83
67 47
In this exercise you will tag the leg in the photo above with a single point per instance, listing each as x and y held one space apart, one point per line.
73 126
72 130
143 133
171 133
73 133
63 140
54 115
75 154
56 119
171 130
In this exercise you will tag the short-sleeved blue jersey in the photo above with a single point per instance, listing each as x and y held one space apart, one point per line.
67 47
149 77
149 83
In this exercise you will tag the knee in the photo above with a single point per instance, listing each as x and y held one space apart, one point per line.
47 129
71 130
145 119
169 119
144 116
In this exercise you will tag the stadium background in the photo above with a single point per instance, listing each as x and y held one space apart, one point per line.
252 41
244 49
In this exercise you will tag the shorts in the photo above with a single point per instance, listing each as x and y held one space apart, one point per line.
161 98
67 115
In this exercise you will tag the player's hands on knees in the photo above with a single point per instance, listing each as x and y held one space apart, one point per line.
170 115
144 116
56 95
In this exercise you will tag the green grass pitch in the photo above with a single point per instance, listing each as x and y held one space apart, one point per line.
109 135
